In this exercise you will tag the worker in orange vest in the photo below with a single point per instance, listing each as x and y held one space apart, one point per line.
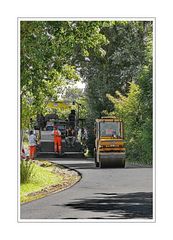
32 145
57 140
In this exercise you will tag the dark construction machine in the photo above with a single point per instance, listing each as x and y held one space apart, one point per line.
109 143
46 137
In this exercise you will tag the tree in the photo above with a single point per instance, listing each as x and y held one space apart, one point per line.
49 58
135 108
109 56
125 67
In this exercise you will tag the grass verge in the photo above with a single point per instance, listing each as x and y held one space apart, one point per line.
47 178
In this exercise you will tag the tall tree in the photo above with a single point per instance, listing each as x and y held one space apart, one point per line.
49 57
124 60
135 108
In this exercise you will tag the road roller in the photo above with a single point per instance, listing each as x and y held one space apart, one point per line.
109 143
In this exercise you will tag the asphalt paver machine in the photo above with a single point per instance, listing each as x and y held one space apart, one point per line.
46 138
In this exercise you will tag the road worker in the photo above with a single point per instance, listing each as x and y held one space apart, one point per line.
57 140
32 145
70 136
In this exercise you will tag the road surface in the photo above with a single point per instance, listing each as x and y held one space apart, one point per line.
100 194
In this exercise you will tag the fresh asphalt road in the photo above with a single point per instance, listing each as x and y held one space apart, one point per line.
101 194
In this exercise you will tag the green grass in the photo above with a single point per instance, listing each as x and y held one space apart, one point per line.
41 178
26 171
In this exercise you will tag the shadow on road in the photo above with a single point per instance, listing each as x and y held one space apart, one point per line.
118 206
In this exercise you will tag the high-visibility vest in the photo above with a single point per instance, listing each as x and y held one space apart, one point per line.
56 133
57 136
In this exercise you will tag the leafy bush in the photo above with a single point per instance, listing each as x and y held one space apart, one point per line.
26 171
138 124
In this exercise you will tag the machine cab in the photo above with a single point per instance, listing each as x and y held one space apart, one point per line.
109 128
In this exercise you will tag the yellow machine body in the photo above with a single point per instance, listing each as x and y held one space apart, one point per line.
109 142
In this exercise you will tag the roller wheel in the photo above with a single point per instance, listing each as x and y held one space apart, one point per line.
100 164
123 163
97 164
95 158
112 164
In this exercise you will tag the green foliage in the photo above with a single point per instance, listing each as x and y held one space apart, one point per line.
138 125
124 57
42 177
26 171
109 56
127 70
50 55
